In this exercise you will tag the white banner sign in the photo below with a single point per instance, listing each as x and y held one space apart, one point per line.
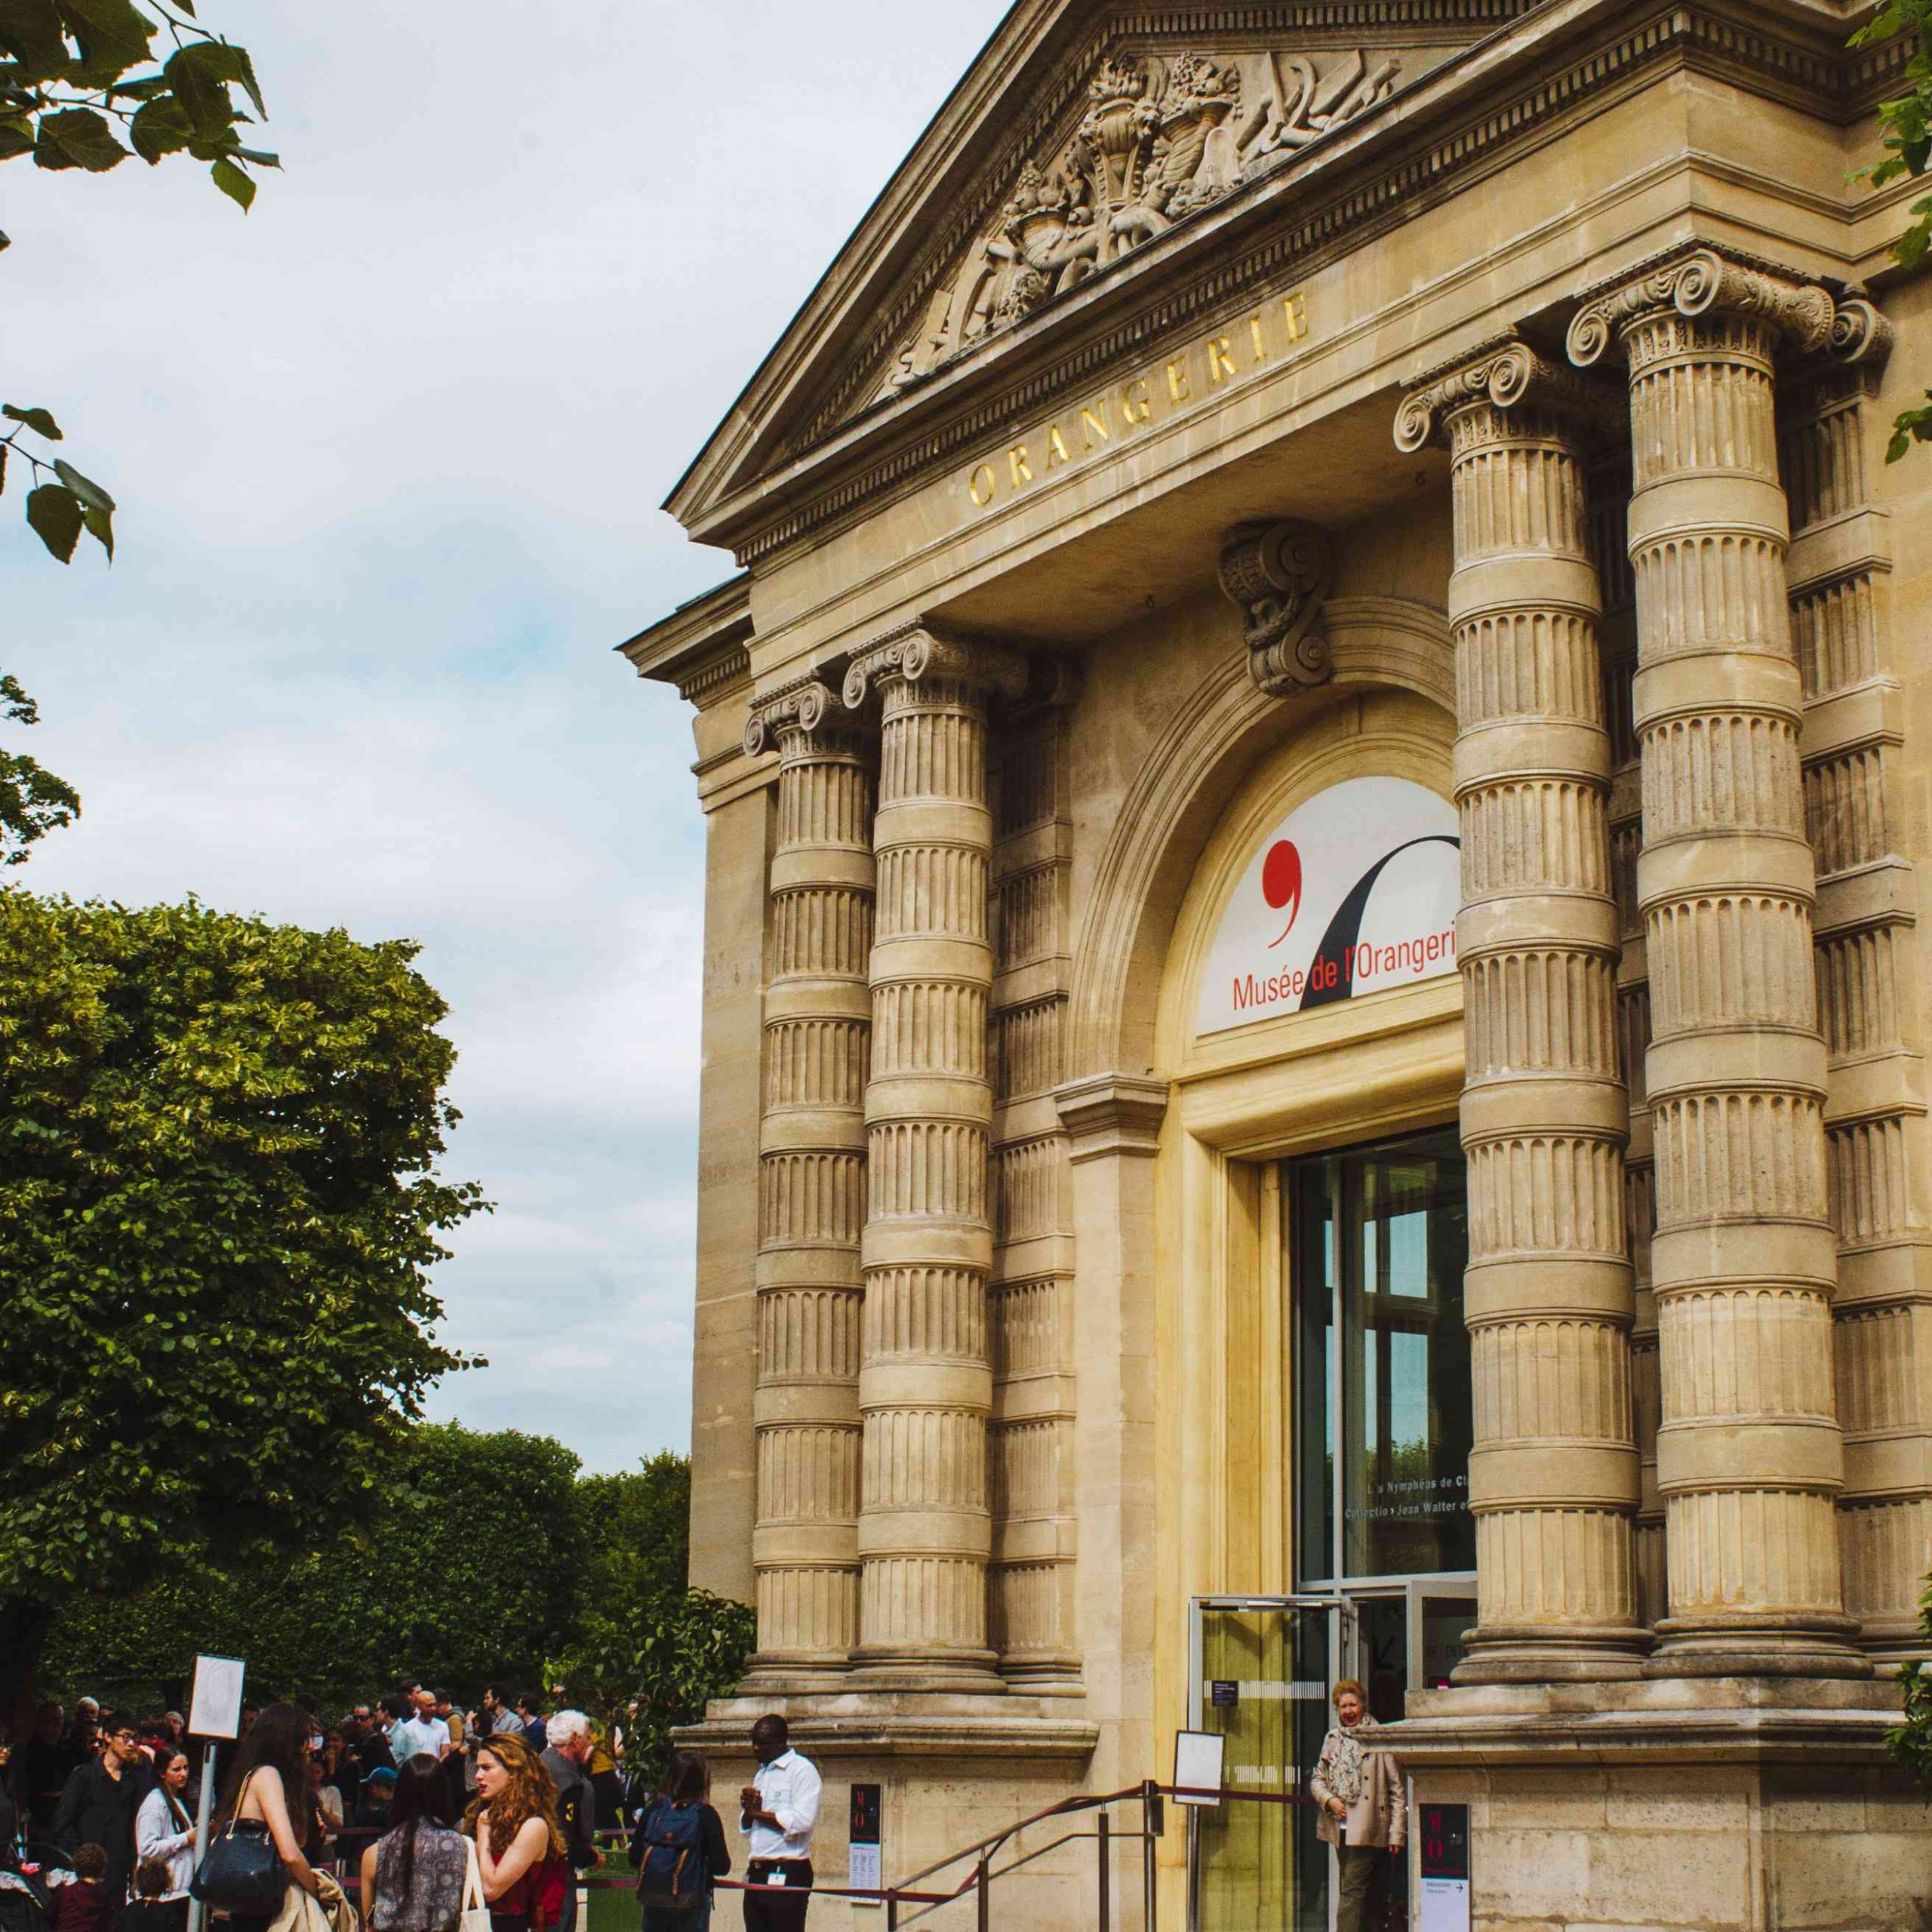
1354 890
215 1709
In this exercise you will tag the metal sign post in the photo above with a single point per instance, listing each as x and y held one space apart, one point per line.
214 1711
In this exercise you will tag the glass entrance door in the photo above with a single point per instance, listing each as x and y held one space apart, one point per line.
1262 1669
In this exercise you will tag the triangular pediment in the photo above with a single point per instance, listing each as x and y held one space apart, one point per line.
1085 130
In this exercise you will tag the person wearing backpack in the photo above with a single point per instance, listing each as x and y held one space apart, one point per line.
678 1848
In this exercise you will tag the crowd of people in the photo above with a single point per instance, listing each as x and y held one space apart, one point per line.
413 1810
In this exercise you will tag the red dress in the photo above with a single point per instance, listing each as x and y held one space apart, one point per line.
535 1901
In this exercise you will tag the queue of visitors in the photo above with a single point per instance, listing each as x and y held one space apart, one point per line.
429 1812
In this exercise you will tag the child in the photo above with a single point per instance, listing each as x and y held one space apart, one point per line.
83 1904
147 1911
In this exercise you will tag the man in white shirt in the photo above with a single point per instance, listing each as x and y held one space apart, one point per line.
777 1811
423 1732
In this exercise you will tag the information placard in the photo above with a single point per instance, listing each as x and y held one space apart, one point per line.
1443 1842
215 1710
1198 1760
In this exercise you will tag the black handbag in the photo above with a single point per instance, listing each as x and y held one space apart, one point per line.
241 1871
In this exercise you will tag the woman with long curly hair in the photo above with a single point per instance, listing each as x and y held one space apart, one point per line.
519 1844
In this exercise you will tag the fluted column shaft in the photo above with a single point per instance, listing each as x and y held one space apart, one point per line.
812 1191
1743 1261
925 1527
1553 1476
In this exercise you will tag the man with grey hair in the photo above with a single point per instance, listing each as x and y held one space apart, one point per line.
566 1750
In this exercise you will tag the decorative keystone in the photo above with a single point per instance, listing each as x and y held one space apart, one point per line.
1281 574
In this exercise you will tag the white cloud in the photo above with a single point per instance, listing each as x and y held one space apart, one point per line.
389 453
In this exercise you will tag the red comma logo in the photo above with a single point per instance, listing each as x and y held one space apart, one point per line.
1281 884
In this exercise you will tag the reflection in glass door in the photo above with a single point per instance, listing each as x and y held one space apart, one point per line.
1261 1670
1380 1238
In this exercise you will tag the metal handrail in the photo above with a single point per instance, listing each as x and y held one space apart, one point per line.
978 1881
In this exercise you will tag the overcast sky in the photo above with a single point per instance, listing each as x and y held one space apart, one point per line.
389 452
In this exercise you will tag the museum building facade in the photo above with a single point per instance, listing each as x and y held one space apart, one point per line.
1313 1056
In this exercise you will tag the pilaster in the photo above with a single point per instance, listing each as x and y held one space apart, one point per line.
1031 1604
1839 574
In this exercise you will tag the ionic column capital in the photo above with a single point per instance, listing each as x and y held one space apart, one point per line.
1699 281
917 652
1280 574
801 719
1502 374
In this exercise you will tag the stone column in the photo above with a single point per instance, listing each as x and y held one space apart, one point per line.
925 1526
1553 1478
1743 1263
811 1190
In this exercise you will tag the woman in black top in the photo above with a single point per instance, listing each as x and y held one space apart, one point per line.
686 1787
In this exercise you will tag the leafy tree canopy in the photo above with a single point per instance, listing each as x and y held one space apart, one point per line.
486 1560
33 802
218 1211
1905 126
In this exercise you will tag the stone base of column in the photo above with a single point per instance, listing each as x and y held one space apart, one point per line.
1753 1803
1744 1646
965 1673
779 1675
1504 1655
952 1769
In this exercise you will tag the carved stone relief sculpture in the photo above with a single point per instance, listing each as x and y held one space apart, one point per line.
1161 137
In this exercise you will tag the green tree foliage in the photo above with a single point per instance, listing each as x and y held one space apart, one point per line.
83 85
486 1555
647 1652
218 1211
1910 1740
33 802
1906 134
463 1574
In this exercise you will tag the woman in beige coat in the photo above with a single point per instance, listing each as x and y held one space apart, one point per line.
1363 1811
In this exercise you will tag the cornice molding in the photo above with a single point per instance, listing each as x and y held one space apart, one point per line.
1297 229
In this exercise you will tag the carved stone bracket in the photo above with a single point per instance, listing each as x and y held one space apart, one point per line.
1502 373
916 651
803 705
1280 574
1702 281
1112 1113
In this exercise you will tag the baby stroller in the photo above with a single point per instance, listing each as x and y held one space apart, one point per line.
27 1888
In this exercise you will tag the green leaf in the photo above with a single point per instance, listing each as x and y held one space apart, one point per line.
100 527
30 32
38 421
161 128
78 137
54 513
199 73
232 183
16 135
89 491
112 36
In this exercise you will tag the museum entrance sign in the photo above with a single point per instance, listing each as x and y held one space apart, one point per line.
1354 890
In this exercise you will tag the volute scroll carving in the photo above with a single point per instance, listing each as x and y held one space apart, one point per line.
1503 375
804 705
1280 574
1702 282
916 652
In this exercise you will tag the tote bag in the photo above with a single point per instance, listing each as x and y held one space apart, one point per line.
475 1916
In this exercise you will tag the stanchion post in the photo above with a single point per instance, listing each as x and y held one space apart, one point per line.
1150 1832
1107 1892
204 1811
986 1892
